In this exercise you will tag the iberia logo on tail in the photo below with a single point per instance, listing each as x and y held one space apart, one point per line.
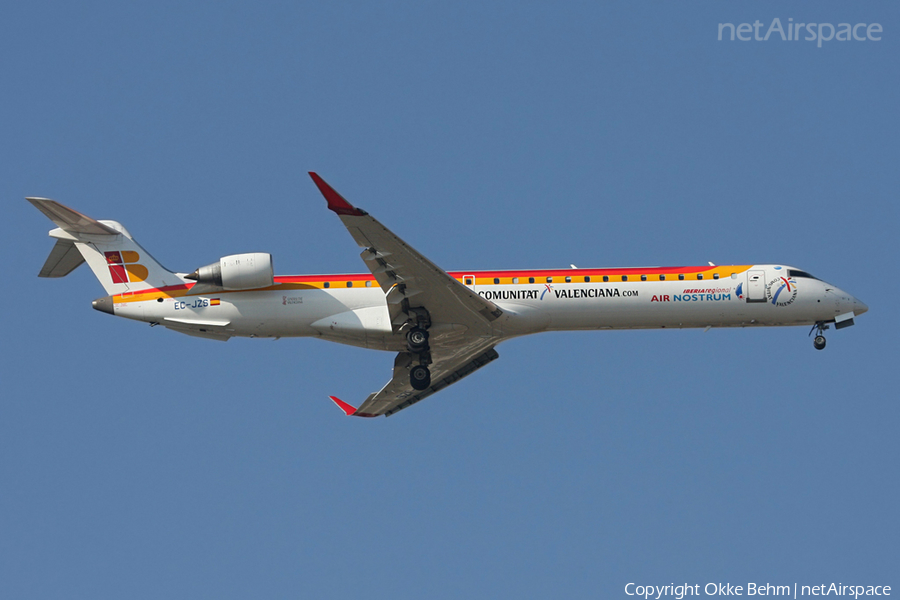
123 267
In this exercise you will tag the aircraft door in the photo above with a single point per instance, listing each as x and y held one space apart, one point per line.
756 286
469 281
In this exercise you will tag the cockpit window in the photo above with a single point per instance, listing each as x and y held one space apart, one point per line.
796 273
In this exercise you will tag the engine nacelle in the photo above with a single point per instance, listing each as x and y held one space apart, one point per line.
238 272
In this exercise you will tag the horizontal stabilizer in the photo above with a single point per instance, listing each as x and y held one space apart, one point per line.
116 259
63 259
69 219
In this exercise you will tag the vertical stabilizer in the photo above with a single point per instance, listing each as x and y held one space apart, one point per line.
118 261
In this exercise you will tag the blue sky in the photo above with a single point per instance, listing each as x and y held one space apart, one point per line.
138 463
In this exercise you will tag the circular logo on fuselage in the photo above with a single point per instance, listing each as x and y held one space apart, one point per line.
781 291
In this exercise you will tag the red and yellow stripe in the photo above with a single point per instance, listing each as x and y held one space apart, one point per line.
508 277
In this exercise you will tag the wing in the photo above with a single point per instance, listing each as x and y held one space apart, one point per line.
448 367
459 320
410 280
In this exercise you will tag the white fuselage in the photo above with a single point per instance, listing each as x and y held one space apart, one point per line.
743 296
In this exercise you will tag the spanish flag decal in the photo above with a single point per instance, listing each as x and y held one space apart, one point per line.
214 302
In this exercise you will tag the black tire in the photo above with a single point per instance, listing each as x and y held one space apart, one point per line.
419 377
819 342
417 340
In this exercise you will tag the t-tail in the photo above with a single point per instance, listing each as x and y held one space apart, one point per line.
119 262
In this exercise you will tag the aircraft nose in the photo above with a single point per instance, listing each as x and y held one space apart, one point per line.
859 307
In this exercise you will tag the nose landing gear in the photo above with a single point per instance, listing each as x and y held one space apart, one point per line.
819 341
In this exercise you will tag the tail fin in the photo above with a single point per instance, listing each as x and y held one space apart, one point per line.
116 259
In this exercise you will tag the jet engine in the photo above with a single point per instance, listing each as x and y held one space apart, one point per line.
238 272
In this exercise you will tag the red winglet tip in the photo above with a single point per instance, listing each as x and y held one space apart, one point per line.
335 201
348 410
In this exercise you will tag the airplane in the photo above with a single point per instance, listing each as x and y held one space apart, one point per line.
442 325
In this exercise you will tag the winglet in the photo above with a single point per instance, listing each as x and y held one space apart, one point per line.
348 410
335 201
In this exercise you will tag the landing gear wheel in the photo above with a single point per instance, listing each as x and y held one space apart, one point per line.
417 340
419 377
819 328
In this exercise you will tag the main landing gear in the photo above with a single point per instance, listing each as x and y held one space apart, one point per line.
417 344
420 377
819 341
417 340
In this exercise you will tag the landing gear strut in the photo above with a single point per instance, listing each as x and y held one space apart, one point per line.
819 328
417 344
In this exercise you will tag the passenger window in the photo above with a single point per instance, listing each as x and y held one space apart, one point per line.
468 281
515 280
568 279
606 278
643 278
680 276
662 277
496 280
587 279
549 280
715 275
327 284
349 284
531 280
624 277
734 275
699 275
369 283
